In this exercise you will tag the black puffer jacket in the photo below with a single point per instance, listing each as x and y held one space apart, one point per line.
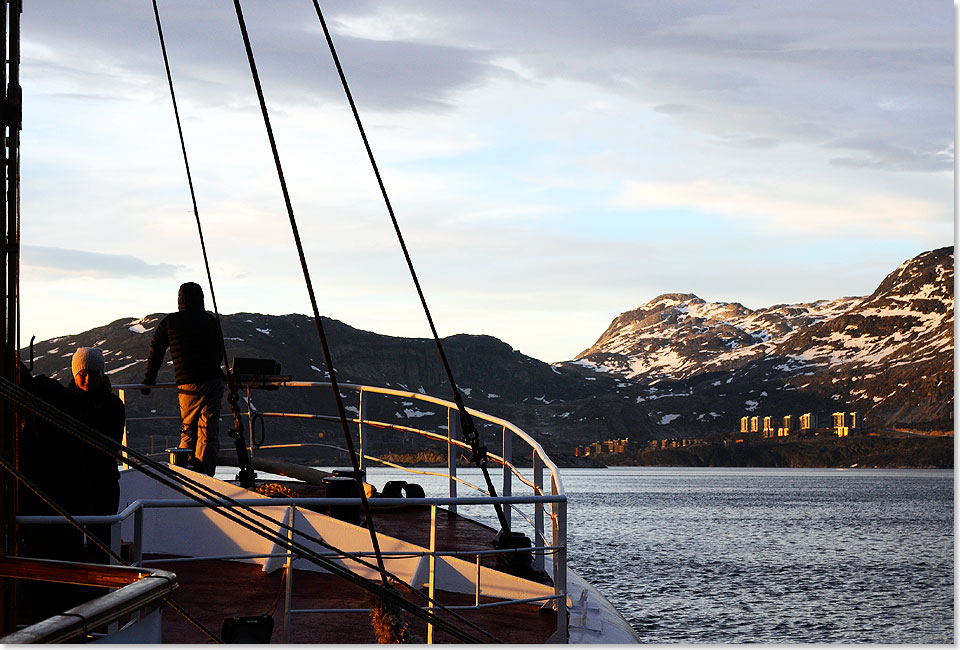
193 338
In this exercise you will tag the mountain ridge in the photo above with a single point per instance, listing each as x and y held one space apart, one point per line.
676 366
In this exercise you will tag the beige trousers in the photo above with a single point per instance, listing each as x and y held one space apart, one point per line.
200 417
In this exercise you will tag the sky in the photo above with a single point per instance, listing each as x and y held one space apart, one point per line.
551 163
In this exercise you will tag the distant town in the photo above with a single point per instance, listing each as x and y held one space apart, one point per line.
845 423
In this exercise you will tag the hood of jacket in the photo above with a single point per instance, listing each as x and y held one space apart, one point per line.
190 297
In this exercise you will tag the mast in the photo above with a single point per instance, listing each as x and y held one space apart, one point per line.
10 110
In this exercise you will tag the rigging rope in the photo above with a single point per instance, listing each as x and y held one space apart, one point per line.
239 514
327 358
470 432
246 476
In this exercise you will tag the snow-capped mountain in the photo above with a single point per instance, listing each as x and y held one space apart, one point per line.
678 335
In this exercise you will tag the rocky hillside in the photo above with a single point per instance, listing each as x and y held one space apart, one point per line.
674 367
492 376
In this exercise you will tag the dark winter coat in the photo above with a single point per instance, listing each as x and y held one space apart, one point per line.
79 478
103 411
193 338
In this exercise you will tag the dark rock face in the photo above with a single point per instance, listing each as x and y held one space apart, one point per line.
674 367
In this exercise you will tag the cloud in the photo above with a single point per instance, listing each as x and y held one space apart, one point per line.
548 155
72 262
789 209
878 76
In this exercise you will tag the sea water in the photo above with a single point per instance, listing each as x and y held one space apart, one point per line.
707 555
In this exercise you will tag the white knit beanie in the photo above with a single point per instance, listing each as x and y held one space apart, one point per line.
89 359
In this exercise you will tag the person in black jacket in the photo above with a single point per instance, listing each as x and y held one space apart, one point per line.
80 479
93 403
193 337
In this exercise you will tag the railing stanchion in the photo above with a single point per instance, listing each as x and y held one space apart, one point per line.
507 487
138 537
560 567
249 416
431 589
360 416
538 512
478 580
453 452
123 398
288 570
115 541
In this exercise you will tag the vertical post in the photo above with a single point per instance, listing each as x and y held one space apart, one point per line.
432 585
478 580
9 289
453 452
115 541
360 416
123 398
560 566
249 417
288 586
538 511
138 537
507 485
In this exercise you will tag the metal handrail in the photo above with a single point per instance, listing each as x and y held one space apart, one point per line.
557 484
138 588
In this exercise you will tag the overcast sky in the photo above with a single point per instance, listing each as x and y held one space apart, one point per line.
551 163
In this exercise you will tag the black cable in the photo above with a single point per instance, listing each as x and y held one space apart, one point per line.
327 358
470 433
245 471
215 501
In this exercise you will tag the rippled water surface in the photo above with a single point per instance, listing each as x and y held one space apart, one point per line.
698 555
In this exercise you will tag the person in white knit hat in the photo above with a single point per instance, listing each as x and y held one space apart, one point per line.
95 405
88 368
77 477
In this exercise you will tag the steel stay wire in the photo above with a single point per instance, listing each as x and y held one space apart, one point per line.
327 358
210 498
233 397
466 422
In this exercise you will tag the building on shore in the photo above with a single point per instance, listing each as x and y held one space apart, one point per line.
786 426
844 423
768 430
618 446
